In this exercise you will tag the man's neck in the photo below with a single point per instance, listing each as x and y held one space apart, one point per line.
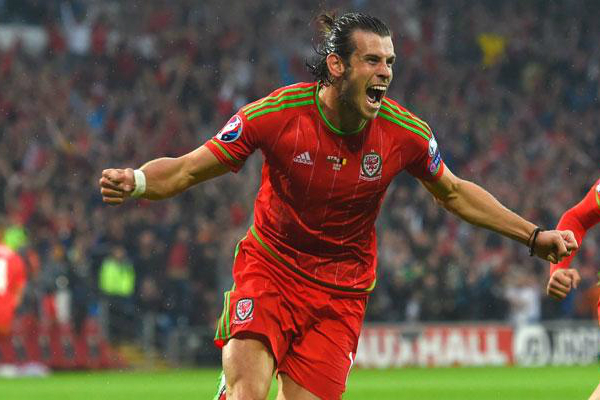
342 118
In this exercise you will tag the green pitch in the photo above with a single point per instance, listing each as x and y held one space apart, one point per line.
411 383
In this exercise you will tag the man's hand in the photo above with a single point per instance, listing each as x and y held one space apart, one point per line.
116 185
554 245
561 282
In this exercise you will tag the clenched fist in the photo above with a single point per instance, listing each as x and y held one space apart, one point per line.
554 245
561 282
116 185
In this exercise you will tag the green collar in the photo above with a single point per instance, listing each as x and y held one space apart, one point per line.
329 124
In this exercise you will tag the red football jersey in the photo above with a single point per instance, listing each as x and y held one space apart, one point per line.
579 219
321 188
12 278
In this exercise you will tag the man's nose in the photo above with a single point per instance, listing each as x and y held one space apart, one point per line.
384 71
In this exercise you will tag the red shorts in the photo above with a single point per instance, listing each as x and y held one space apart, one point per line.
312 334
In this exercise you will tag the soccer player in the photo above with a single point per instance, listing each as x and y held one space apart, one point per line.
578 219
12 283
303 272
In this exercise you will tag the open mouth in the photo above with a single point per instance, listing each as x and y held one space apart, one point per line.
375 93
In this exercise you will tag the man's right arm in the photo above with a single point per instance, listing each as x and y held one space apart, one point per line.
165 177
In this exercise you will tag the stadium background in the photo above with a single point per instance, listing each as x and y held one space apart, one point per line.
510 89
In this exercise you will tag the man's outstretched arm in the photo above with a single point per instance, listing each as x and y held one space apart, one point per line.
478 207
164 177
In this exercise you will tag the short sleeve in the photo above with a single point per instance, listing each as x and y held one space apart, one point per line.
234 143
426 163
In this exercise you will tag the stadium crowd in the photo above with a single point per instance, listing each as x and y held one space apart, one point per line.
510 88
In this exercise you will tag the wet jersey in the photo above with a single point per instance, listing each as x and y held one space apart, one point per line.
321 188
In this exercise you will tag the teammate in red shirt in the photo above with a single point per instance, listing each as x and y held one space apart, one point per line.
12 284
303 272
578 219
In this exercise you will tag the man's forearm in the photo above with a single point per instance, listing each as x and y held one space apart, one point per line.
478 207
165 177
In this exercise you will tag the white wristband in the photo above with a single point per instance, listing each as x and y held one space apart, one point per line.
140 183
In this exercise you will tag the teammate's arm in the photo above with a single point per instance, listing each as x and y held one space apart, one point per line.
478 207
563 278
579 219
165 177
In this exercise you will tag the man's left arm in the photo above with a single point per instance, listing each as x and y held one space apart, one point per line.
477 206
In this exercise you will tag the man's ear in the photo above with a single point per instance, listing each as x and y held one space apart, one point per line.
335 65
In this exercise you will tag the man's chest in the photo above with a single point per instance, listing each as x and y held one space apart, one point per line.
308 160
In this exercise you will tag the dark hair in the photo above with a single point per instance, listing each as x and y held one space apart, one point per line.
337 32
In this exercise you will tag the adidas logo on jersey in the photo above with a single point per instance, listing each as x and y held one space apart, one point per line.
303 158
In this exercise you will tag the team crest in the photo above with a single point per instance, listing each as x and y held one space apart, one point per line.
231 131
244 309
370 168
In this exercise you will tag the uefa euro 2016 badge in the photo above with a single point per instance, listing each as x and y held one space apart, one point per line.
434 154
433 146
231 131
243 311
370 167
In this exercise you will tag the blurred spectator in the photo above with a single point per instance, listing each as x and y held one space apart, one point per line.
117 285
177 276
149 263
54 285
77 28
81 282
524 294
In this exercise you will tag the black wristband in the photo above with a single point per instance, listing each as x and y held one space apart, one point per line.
532 239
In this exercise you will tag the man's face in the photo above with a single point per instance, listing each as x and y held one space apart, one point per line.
368 74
